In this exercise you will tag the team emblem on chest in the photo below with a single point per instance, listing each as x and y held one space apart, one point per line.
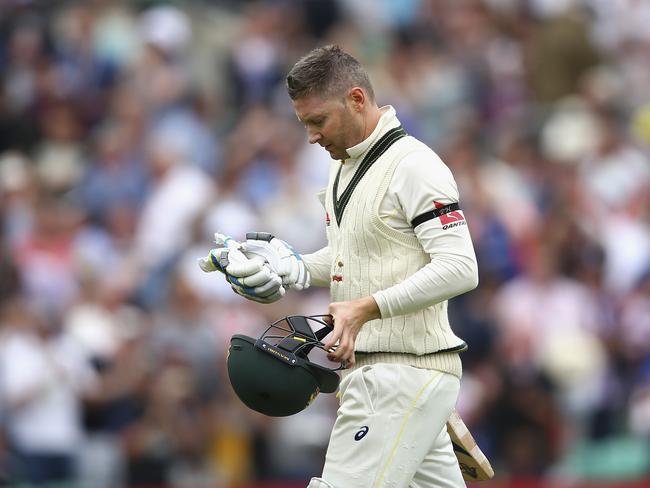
337 276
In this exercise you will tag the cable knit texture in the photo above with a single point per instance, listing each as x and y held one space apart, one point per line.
369 256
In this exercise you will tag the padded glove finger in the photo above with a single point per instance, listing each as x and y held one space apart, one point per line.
270 285
241 266
303 281
281 256
232 261
297 276
250 294
265 275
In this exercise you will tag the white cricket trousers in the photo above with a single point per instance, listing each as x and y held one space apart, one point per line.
390 430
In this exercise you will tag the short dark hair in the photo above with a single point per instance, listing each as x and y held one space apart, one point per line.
327 71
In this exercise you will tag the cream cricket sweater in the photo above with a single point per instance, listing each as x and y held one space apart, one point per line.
375 250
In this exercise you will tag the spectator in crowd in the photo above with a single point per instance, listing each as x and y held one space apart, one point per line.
44 378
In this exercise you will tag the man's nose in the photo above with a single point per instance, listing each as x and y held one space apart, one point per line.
314 137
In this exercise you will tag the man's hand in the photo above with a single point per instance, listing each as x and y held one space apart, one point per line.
282 258
250 277
348 318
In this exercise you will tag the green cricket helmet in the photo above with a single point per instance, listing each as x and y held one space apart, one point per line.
273 374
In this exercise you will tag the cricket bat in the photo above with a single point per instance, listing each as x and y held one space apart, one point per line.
473 463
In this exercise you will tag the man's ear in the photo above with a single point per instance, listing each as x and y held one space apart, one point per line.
357 98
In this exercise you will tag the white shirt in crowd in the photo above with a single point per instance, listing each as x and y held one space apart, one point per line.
41 382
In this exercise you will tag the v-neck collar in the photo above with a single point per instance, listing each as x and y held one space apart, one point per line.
373 154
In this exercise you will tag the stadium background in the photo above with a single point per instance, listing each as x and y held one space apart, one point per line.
131 131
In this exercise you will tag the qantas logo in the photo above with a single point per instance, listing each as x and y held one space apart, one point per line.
450 219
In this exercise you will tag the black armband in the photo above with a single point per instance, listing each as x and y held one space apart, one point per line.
434 214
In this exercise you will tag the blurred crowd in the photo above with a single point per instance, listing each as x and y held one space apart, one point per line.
131 131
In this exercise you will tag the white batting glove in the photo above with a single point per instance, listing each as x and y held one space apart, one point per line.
281 257
251 277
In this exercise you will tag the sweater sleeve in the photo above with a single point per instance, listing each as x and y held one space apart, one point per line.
319 264
421 184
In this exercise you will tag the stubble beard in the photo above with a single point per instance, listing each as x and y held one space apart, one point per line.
350 135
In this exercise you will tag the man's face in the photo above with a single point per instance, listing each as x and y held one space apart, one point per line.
330 122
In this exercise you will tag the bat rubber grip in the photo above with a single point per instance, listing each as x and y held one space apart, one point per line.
260 236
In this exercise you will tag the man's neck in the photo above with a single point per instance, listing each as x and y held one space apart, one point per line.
372 119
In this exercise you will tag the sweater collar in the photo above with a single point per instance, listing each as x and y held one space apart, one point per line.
387 121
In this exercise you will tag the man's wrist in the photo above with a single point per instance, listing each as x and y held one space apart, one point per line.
369 308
